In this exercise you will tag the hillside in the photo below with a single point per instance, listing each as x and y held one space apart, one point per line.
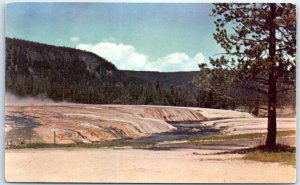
60 72
67 74
165 78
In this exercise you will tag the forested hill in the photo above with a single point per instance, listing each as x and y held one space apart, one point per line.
67 74
165 78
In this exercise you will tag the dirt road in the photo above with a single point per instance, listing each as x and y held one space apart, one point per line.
135 165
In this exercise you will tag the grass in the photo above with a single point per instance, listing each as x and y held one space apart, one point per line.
282 157
149 144
280 153
88 145
240 136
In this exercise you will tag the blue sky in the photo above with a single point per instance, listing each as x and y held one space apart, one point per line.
136 36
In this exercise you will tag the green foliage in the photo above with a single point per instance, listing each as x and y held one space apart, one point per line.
241 136
108 144
259 40
288 158
65 74
243 31
279 153
259 53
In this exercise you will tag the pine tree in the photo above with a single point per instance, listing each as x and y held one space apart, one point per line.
259 40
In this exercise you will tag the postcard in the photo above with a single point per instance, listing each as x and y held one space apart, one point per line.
150 92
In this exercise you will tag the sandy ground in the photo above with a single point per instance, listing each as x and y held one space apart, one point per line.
181 162
135 165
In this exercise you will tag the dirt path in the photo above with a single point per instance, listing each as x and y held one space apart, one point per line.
135 165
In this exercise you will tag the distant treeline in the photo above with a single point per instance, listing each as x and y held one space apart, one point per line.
67 74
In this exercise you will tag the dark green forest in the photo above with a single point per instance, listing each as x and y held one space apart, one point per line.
71 75
66 74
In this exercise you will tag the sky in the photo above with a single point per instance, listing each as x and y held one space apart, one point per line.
134 36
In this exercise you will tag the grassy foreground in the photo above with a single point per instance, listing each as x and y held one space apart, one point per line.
280 153
288 158
87 145
241 136
149 144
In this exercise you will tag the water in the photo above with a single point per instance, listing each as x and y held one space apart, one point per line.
185 130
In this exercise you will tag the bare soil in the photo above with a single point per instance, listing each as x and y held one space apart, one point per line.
173 158
136 165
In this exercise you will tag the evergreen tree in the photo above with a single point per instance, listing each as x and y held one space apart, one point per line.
259 40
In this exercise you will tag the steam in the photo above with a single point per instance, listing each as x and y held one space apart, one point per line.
40 99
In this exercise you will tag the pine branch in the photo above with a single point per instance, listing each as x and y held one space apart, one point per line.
254 89
286 89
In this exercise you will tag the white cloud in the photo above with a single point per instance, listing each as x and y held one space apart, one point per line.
126 57
74 39
123 56
200 58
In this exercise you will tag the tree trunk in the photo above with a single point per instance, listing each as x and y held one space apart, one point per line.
272 91
272 127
